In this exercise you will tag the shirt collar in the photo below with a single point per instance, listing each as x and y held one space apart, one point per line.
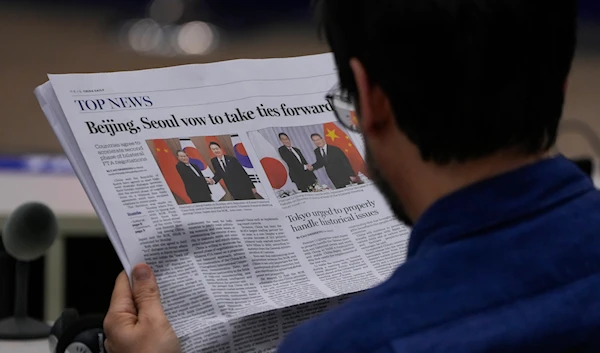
500 199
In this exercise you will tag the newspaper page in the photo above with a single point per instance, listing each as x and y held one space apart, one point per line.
236 183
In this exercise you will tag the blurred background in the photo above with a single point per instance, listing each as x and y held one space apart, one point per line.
69 36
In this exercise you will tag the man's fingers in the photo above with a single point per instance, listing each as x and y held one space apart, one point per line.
145 293
122 298
108 346
122 311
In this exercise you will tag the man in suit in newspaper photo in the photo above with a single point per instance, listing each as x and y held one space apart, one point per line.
196 185
300 170
336 163
228 168
459 104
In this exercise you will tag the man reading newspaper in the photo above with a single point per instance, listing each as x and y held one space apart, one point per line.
459 104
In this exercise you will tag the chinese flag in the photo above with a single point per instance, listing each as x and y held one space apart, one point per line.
335 136
354 119
166 162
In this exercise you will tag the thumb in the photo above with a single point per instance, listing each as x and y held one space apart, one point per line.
145 293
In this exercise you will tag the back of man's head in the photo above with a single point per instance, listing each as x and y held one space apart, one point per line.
465 78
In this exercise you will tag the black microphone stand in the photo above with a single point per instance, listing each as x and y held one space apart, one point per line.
20 326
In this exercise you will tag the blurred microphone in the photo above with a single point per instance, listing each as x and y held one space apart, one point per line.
28 233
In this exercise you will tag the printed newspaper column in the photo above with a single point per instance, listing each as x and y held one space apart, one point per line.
207 336
278 269
338 263
331 250
384 242
257 333
222 258
147 200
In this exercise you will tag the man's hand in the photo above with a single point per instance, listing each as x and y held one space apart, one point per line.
254 190
309 167
136 322
354 179
210 181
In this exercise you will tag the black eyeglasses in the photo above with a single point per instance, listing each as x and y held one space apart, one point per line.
343 108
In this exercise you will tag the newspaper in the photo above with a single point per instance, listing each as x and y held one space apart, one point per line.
237 184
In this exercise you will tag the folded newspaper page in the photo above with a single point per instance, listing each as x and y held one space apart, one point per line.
236 183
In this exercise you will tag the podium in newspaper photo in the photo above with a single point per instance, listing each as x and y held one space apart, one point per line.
207 169
310 158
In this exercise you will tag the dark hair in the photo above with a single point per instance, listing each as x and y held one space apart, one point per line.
465 79
283 134
213 143
315 134
176 153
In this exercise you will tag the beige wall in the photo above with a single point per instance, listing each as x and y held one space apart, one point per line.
36 43
583 105
33 44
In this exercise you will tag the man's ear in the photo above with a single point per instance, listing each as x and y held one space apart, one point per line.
375 111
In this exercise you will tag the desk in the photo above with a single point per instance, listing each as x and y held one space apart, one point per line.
33 346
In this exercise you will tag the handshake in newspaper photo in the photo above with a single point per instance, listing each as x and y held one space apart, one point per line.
310 158
228 176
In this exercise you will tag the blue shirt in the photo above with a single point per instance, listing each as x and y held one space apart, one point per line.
510 264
